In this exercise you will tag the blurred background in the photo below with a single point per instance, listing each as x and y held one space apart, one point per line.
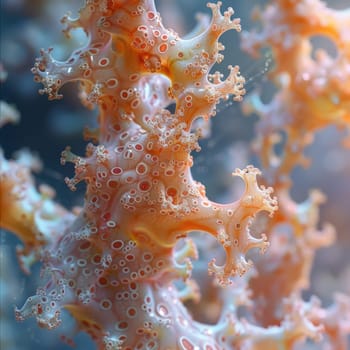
48 127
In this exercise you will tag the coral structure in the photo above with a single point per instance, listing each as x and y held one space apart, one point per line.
116 263
313 93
